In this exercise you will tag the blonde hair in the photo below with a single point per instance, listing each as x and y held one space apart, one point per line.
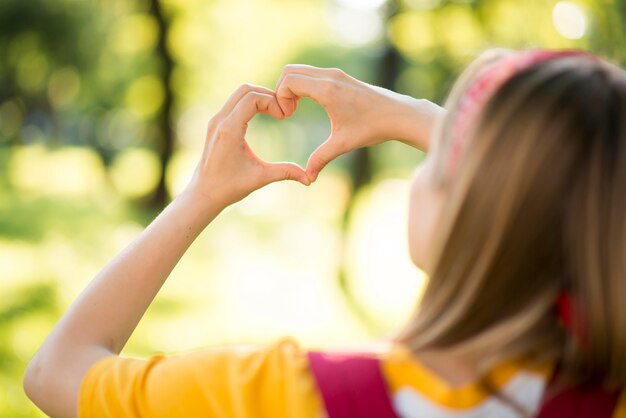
536 208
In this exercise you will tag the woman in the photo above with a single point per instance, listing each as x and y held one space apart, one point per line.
518 215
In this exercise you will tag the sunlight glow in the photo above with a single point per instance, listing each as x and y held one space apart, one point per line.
381 272
179 170
362 4
569 20
65 171
355 27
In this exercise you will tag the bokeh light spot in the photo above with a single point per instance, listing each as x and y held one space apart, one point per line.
423 4
412 32
382 275
145 96
16 258
459 31
11 117
135 172
356 27
63 87
32 70
180 170
134 34
362 4
66 171
569 20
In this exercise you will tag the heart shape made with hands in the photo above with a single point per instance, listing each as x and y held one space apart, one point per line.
353 109
320 156
229 169
361 115
295 137
273 108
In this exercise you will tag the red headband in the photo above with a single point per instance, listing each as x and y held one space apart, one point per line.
481 90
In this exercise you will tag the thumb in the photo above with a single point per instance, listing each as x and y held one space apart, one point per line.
286 171
324 154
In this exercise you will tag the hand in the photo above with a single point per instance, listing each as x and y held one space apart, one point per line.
229 170
360 114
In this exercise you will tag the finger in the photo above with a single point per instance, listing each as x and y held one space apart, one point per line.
238 94
289 107
324 154
295 86
310 71
251 104
286 171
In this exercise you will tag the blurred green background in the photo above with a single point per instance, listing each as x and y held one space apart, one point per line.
103 108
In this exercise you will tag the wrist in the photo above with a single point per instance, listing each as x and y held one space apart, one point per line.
199 205
412 120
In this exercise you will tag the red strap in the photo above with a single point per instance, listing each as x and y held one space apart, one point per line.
351 386
580 403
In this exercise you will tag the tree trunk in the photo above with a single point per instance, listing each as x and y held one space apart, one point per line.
361 168
164 143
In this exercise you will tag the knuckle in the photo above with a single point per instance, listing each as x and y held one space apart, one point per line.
213 123
253 99
251 96
336 73
287 69
287 81
277 173
321 160
290 67
287 175
226 129
245 87
329 89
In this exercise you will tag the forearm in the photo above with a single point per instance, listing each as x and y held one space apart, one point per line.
104 316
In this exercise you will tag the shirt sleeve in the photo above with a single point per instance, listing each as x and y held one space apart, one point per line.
272 382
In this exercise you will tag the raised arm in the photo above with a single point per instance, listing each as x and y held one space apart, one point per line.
102 319
361 114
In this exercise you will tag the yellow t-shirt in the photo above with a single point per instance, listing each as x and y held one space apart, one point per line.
275 382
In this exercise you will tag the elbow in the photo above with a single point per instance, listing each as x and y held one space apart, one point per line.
53 377
39 387
52 380
32 381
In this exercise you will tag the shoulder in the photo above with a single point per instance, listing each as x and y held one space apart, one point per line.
241 381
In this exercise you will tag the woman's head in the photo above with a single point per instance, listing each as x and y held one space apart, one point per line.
428 187
531 205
